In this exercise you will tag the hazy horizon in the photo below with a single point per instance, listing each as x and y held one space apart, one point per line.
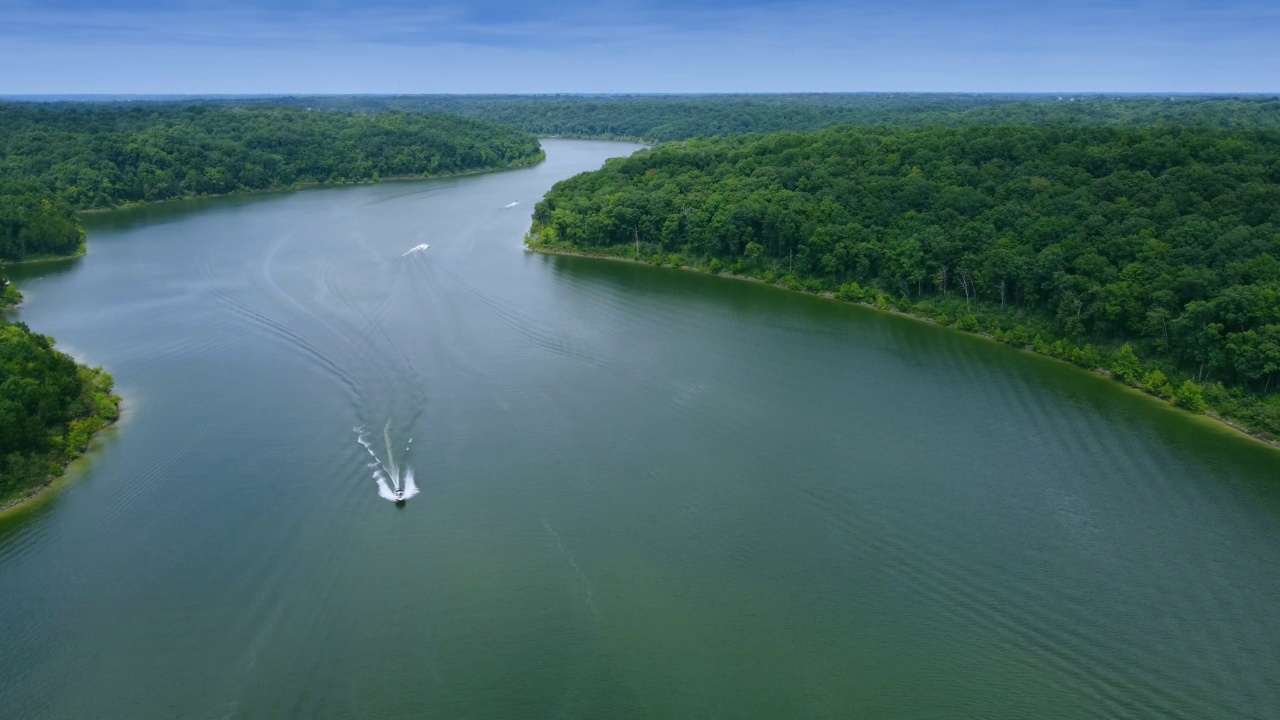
386 47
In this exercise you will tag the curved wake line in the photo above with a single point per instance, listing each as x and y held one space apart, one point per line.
586 582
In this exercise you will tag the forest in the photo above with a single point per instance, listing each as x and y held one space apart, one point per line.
50 407
56 159
35 223
1153 253
660 118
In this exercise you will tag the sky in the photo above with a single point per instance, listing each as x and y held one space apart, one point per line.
638 46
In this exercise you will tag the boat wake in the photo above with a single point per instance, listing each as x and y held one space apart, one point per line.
394 482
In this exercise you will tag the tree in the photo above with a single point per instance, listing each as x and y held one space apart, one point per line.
1190 396
1157 383
1126 367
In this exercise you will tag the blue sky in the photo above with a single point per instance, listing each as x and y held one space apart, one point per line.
395 46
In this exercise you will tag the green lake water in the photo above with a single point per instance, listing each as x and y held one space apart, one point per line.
646 493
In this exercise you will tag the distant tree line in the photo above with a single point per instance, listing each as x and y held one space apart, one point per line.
1153 252
102 155
49 409
659 118
58 158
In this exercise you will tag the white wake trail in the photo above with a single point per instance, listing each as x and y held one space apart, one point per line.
410 487
394 483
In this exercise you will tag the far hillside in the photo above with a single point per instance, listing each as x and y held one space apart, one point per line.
659 118
56 159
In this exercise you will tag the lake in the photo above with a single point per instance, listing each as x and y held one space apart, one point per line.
645 492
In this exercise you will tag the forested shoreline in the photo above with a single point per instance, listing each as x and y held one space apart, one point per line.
50 408
57 159
1151 253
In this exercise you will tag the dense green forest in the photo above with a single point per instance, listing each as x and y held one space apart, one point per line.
35 223
1153 252
660 118
103 155
49 409
55 159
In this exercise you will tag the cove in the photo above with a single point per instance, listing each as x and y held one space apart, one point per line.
645 492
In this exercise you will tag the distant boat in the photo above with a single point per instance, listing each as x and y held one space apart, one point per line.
511 205
416 249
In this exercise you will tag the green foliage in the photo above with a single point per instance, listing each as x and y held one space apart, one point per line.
49 409
1126 367
102 155
34 223
1163 242
1189 396
1157 384
56 159
660 118
9 295
852 292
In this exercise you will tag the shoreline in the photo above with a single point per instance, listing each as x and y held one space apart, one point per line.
540 158
42 491
51 258
1211 416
